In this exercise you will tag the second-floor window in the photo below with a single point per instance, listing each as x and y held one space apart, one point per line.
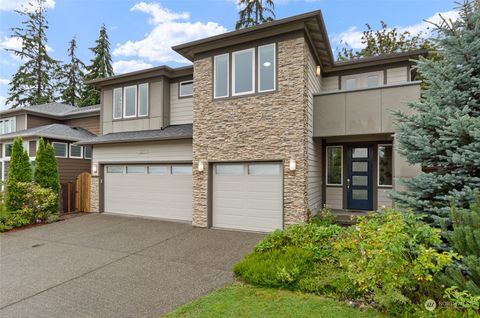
243 77
143 100
131 101
7 125
186 89
117 103
221 76
266 68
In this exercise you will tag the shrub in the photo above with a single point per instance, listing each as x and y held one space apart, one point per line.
324 217
464 301
19 171
46 171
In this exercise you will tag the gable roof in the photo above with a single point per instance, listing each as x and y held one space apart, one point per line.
173 132
53 131
57 110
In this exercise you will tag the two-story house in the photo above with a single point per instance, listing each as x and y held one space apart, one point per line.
60 124
262 130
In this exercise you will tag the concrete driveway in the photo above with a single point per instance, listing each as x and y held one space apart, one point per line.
110 266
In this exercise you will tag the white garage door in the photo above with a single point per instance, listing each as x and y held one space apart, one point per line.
161 191
248 196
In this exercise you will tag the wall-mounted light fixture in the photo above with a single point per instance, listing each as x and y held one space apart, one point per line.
293 165
94 169
200 166
318 72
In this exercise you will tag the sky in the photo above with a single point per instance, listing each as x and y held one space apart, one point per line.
142 32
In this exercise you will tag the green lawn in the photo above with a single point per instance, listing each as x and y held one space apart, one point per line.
247 301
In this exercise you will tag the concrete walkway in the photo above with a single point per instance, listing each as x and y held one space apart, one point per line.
110 266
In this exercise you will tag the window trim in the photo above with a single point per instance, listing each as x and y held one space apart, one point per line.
252 50
75 157
10 120
4 150
215 76
140 97
67 150
85 153
121 104
378 167
341 166
180 89
274 68
125 101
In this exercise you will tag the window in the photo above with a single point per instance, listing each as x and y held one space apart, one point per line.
229 169
135 169
334 165
182 170
76 151
114 169
385 162
221 75
117 103
159 169
266 68
130 101
88 152
7 150
60 149
372 81
7 125
143 100
351 83
262 169
243 72
186 89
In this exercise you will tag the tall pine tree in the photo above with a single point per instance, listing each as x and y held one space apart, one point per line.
72 79
34 82
254 12
100 67
443 132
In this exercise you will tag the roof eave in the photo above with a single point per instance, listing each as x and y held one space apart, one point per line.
106 142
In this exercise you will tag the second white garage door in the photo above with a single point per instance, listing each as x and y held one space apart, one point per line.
248 196
161 191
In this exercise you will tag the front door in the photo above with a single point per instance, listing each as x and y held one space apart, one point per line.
359 177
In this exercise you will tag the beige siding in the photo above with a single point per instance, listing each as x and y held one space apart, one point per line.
397 75
383 201
314 146
181 109
161 151
330 83
334 197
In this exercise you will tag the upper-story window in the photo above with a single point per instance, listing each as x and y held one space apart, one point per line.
249 67
131 101
351 83
186 89
221 75
243 72
7 125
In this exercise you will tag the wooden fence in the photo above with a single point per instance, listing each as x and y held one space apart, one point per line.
82 195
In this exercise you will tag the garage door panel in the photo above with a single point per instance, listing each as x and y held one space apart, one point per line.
248 202
153 195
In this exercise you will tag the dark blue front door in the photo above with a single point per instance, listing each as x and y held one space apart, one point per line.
359 178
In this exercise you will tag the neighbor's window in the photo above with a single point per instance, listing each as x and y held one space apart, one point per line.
334 165
385 162
351 83
7 125
76 151
88 152
221 75
372 81
60 149
143 100
130 101
117 103
266 68
243 72
186 89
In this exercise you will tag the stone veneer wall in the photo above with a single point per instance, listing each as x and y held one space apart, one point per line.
269 126
95 194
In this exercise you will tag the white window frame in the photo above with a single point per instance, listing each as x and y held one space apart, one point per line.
140 97
378 167
85 153
67 150
180 89
215 77
234 54
113 103
75 157
341 167
274 68
26 146
125 101
10 120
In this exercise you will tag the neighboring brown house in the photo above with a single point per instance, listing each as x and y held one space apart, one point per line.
60 124
264 129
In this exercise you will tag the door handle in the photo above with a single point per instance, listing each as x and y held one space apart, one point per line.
348 183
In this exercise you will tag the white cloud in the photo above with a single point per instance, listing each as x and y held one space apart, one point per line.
120 67
11 43
10 5
353 36
169 28
4 81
